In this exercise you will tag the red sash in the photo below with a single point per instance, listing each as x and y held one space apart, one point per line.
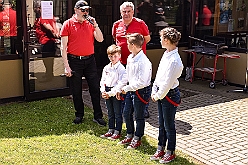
172 102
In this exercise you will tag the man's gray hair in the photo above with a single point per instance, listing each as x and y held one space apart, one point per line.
127 4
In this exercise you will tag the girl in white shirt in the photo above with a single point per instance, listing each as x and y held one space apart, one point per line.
165 91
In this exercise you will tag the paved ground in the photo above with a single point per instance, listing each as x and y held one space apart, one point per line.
211 123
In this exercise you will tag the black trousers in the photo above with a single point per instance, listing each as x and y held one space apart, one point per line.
48 49
88 69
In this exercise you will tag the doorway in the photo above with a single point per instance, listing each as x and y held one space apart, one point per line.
42 60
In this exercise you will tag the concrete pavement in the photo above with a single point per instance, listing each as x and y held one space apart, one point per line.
211 123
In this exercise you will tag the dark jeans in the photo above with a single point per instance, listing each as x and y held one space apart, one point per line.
134 105
114 113
88 69
167 112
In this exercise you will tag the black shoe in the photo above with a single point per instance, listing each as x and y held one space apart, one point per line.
100 122
78 120
146 115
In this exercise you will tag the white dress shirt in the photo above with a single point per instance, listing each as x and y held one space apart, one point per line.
169 70
113 76
139 72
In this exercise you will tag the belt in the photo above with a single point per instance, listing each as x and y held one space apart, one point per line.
107 89
80 57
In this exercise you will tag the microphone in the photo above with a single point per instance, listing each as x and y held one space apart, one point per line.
87 17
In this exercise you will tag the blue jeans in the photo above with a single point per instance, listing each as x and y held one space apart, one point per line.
167 112
114 113
133 105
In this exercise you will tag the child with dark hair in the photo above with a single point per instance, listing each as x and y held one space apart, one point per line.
139 71
166 92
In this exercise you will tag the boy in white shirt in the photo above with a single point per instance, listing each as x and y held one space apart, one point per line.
166 92
139 71
114 77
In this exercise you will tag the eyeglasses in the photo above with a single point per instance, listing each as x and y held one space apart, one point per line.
85 10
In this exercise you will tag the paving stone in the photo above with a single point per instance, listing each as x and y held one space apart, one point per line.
227 153
240 155
235 159
212 156
196 147
234 150
192 150
204 156
216 152
244 143
240 163
210 147
221 149
245 161
214 161
211 123
228 162
221 158
244 151
204 151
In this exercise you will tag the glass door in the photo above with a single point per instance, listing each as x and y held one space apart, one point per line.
43 64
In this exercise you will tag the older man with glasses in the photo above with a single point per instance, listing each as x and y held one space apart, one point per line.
77 49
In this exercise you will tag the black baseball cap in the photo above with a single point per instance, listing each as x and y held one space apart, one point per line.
82 5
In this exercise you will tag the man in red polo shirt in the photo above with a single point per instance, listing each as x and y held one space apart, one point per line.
77 49
129 24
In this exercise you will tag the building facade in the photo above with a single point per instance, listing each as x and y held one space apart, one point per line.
23 67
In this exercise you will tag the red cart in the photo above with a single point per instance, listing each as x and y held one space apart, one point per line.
208 49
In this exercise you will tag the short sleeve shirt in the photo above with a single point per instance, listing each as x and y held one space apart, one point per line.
8 16
119 31
80 37
44 35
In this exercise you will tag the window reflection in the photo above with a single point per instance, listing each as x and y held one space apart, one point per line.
158 14
8 27
45 61
204 20
225 18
